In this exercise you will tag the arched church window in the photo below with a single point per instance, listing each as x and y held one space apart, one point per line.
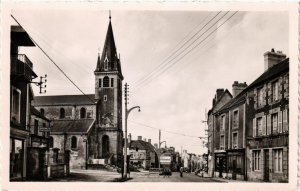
106 82
42 111
82 113
62 113
100 83
111 82
74 142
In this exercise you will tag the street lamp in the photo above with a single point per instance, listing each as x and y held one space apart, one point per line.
159 152
127 111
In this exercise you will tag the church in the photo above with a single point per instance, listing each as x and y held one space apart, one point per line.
90 125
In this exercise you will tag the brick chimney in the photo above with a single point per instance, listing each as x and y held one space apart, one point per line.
129 138
145 139
272 58
139 138
238 87
149 140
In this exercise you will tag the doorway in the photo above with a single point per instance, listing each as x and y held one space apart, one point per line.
266 165
105 146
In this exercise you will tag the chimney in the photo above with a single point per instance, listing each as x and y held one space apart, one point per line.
156 145
238 87
149 140
272 58
219 92
139 138
129 138
145 139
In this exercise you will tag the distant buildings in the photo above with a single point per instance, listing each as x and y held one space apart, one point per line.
142 153
248 132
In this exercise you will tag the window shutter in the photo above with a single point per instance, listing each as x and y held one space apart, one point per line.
254 127
280 82
251 165
280 122
264 90
284 123
255 98
269 124
270 93
264 129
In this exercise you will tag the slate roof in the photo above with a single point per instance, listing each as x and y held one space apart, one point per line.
72 126
272 72
142 145
64 100
37 113
276 70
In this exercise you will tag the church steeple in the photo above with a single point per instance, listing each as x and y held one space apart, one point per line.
109 60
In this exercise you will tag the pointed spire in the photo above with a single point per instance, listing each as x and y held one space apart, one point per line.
109 15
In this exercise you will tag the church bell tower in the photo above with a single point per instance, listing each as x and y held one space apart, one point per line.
108 94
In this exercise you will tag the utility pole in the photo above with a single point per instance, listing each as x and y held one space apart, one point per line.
41 82
159 136
127 111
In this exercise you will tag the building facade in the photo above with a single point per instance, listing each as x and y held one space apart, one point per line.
268 121
21 75
251 131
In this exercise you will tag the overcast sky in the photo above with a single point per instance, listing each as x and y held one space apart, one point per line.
176 100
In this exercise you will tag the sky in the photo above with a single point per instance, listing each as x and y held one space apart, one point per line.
175 100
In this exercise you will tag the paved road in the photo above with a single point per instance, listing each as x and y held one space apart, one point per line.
106 176
145 177
79 175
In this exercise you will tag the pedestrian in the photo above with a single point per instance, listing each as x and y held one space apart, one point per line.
181 171
168 172
164 172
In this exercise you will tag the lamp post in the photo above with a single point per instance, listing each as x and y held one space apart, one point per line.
127 111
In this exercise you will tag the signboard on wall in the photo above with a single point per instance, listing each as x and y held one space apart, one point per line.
44 129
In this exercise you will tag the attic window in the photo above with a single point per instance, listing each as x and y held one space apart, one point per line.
106 63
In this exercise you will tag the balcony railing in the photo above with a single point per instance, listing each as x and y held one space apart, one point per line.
22 66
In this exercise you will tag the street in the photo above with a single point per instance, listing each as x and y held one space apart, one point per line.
145 177
79 175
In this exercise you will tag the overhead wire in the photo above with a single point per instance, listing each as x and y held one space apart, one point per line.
193 48
92 101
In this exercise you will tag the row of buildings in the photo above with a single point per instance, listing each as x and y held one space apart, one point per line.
248 129
29 128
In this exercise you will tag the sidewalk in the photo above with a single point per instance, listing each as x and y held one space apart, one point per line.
206 175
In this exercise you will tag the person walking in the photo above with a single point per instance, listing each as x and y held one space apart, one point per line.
181 171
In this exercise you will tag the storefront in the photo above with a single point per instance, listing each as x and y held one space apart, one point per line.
17 159
220 164
236 164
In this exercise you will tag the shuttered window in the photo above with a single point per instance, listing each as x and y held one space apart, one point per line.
106 82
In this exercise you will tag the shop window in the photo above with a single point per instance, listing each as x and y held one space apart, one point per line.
62 113
256 159
74 142
106 82
15 105
277 160
16 158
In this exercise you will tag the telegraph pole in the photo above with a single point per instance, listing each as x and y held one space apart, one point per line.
125 145
127 111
